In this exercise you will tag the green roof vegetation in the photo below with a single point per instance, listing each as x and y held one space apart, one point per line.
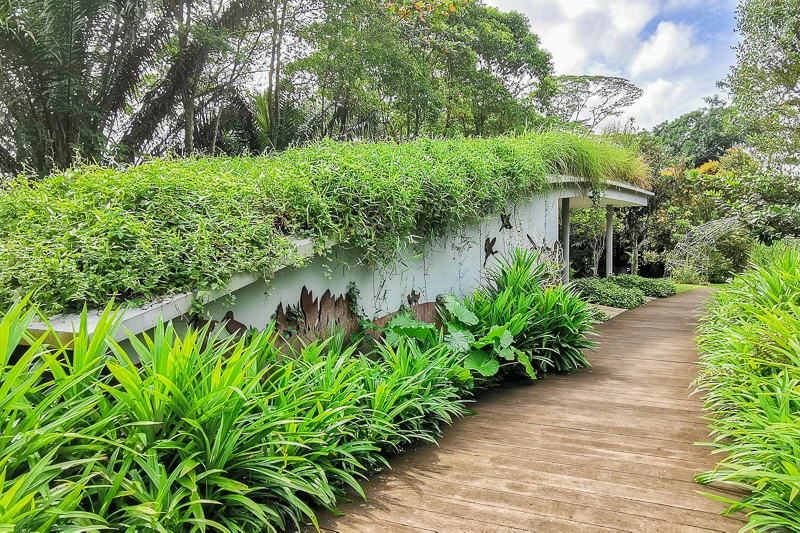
172 225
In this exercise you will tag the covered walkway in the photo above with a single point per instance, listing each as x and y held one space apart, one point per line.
609 448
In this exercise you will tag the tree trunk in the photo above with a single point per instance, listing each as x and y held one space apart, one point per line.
635 254
595 261
189 88
188 113
278 66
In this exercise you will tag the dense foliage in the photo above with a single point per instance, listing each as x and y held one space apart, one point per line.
655 288
521 317
685 199
602 291
97 79
227 435
764 199
176 225
107 81
700 136
763 82
750 368
519 321
230 436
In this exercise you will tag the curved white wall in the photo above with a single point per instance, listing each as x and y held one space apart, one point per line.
452 263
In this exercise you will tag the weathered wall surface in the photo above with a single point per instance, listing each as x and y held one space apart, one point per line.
312 297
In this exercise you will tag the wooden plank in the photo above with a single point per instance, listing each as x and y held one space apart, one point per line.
586 508
647 453
610 448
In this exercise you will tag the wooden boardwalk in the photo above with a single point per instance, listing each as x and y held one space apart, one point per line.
609 448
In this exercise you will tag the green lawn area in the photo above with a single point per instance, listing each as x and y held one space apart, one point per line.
684 287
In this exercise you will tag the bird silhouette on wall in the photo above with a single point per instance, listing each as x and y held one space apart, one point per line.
488 248
234 327
413 298
505 221
554 248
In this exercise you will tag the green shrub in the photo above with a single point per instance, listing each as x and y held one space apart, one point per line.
750 373
561 321
516 322
169 226
184 432
598 315
655 288
602 291
687 275
516 319
729 255
51 412
230 436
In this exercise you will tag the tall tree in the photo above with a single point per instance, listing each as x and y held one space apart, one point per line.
92 78
765 82
590 100
506 67
102 80
67 70
479 71
702 135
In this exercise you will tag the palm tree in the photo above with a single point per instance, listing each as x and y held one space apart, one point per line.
69 68
106 78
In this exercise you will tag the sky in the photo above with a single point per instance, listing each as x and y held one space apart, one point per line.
675 50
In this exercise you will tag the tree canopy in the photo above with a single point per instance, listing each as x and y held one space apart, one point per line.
107 81
702 135
99 79
590 100
765 82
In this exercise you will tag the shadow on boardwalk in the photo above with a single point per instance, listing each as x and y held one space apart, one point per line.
609 448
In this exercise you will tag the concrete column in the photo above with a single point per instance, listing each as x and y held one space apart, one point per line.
609 241
565 238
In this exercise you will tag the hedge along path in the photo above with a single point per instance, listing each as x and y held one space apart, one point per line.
177 225
609 448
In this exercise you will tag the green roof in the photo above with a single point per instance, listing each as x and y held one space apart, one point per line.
175 225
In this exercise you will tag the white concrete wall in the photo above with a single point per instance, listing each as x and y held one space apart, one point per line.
453 263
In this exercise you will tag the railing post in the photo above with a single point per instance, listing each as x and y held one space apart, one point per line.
565 238
609 240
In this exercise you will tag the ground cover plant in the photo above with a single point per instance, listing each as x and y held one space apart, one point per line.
750 369
518 321
181 432
602 291
655 288
167 226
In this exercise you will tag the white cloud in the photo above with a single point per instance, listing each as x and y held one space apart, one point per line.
669 48
664 100
664 46
583 33
706 5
